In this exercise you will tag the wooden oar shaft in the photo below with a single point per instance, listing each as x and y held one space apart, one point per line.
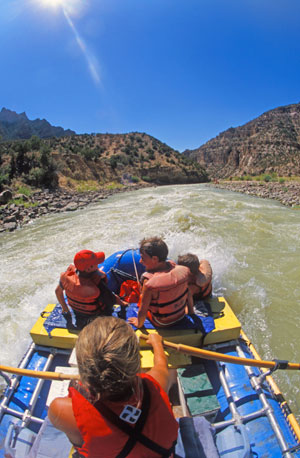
199 352
207 354
39 374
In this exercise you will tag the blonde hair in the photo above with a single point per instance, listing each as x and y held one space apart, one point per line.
108 358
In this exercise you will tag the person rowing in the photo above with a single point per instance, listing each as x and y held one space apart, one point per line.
115 410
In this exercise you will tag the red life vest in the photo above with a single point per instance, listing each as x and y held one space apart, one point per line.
104 439
130 291
170 288
82 293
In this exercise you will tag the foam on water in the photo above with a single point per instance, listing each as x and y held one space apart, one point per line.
252 244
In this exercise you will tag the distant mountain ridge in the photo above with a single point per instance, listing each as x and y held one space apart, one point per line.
269 143
18 126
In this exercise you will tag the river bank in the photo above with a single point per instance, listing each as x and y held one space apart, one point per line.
40 203
287 193
43 202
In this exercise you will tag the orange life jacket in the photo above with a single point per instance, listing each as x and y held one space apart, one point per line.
102 438
82 293
170 289
206 289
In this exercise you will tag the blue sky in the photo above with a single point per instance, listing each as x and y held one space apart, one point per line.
180 70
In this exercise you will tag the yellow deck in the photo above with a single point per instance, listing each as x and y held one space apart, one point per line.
227 327
60 338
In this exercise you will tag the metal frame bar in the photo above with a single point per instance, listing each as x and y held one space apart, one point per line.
15 381
256 385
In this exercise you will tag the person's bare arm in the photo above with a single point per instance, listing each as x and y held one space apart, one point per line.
146 297
204 275
61 415
61 299
190 303
159 371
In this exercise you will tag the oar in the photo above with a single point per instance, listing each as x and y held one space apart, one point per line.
207 354
199 352
39 374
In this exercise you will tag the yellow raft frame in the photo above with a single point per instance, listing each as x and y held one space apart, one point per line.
227 327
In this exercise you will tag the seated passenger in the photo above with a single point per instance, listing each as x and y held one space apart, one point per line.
200 277
164 296
114 410
86 289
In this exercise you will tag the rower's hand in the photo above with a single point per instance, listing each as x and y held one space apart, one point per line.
154 339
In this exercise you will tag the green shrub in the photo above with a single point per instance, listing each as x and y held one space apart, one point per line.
24 190
113 162
147 179
35 143
35 176
114 185
135 179
23 202
267 178
88 154
281 180
4 179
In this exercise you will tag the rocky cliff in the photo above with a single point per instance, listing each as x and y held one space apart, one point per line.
269 143
18 126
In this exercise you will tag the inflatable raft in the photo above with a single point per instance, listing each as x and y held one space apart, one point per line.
225 405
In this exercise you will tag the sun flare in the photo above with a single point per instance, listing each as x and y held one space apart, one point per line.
52 3
70 10
70 6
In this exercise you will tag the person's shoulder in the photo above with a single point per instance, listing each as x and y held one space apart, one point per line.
183 270
57 407
71 270
149 380
67 276
204 262
205 266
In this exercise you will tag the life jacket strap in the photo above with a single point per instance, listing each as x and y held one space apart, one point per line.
135 433
165 315
164 304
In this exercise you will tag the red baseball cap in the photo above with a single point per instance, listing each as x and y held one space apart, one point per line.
86 258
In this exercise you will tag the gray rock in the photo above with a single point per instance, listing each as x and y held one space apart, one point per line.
23 197
10 219
5 196
10 226
72 206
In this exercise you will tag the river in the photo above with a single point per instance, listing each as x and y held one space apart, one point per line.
251 243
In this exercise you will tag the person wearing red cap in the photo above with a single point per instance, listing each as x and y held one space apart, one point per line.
85 288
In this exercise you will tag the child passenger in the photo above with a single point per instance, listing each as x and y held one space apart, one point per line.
200 277
115 410
86 290
164 297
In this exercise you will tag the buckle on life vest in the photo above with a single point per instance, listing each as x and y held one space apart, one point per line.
130 414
